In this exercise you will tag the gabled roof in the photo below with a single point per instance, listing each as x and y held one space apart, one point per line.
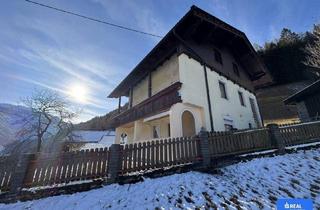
302 94
200 26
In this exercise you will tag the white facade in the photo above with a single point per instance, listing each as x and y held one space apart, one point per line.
224 111
193 93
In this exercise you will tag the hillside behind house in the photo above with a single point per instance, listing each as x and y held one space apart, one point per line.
284 57
11 121
100 123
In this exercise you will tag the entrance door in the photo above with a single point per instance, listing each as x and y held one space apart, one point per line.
188 124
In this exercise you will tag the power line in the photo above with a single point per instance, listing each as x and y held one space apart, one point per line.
93 19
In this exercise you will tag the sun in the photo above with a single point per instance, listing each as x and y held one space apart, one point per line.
78 92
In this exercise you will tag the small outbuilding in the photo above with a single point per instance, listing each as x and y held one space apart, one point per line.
307 101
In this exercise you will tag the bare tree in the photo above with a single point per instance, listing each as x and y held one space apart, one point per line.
50 118
313 51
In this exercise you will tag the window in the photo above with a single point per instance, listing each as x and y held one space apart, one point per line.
217 56
169 134
156 132
236 69
223 91
241 98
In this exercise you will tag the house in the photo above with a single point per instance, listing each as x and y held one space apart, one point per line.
200 74
90 139
307 101
271 104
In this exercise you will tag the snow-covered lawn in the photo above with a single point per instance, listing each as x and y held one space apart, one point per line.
255 184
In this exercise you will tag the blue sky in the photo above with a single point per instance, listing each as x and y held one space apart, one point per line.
41 48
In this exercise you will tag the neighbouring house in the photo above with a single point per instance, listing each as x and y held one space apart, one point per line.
271 104
89 139
307 101
201 74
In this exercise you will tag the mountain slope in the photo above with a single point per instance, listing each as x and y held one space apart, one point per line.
101 123
11 121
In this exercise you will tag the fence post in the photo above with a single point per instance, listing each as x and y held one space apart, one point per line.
114 162
19 173
204 147
276 138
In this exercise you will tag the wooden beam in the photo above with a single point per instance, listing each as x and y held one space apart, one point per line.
149 85
193 28
119 105
218 23
230 42
130 97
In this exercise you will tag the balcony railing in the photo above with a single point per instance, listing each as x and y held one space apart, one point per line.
153 105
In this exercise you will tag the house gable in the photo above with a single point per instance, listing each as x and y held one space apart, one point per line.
201 27
207 53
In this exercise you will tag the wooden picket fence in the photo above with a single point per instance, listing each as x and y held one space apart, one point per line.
51 169
300 133
67 167
7 167
47 169
226 143
159 153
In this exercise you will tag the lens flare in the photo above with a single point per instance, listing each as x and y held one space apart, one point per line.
79 93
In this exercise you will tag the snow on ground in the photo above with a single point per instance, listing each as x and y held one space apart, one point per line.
255 184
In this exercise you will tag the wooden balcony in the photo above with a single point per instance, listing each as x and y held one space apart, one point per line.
153 105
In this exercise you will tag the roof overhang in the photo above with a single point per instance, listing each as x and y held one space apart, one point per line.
201 27
312 89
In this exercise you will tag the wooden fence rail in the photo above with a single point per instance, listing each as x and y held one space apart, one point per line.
122 160
159 154
226 143
47 169
300 133
7 165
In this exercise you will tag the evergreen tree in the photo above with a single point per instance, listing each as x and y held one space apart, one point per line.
284 57
313 51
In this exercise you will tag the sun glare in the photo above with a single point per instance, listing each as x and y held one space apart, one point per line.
79 93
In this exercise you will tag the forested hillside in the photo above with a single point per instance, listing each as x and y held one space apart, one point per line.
293 66
285 57
100 122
